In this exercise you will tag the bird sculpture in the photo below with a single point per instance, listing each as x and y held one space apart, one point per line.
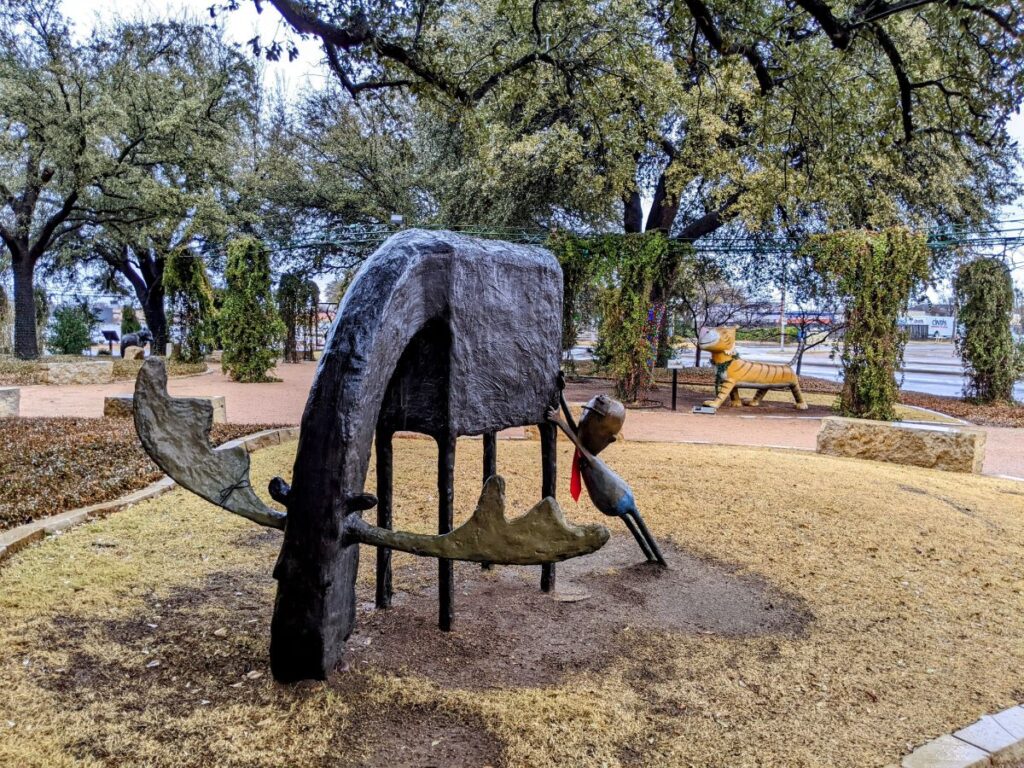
601 421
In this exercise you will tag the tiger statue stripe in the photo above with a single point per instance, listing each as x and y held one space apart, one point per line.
734 372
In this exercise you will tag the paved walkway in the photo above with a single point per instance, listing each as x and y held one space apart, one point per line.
283 402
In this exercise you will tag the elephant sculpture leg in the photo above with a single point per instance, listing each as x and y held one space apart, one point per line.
445 522
490 467
384 450
549 473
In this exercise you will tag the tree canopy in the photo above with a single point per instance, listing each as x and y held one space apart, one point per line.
115 139
804 114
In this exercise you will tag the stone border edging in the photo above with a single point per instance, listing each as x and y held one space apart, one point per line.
992 740
18 538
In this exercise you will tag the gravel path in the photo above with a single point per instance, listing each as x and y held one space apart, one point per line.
283 402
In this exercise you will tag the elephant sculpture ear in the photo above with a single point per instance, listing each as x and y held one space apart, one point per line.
175 433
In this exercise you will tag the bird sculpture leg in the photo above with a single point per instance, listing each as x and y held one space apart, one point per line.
644 546
651 543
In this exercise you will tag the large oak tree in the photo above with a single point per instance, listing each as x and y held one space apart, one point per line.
91 131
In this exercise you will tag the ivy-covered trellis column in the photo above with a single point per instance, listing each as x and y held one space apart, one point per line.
620 271
191 299
874 275
984 297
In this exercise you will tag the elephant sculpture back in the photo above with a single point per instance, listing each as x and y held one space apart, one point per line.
490 309
439 333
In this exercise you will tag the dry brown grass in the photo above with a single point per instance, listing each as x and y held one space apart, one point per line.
914 578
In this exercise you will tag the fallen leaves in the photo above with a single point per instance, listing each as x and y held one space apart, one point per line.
49 466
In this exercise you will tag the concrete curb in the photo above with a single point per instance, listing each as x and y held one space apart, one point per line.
18 538
937 413
991 741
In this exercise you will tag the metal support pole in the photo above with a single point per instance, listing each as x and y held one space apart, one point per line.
549 472
675 386
445 521
490 468
384 487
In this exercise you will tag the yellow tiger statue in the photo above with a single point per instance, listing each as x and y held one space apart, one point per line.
733 372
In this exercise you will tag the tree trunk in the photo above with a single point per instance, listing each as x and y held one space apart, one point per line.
156 318
148 283
664 209
25 346
633 213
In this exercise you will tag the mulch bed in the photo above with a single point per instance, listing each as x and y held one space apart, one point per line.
995 415
49 466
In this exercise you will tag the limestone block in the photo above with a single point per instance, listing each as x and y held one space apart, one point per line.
123 406
10 401
220 409
74 372
134 353
955 449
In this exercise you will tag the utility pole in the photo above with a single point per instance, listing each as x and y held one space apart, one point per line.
782 312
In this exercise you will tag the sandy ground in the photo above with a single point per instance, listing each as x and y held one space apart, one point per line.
774 425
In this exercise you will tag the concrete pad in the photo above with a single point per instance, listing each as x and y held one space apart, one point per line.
10 402
947 752
1011 720
987 734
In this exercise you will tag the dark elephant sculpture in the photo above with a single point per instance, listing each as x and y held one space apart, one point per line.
137 339
441 334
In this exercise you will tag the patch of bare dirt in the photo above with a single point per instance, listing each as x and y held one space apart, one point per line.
508 633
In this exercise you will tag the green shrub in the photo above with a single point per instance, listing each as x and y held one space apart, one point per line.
249 325
984 297
72 329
